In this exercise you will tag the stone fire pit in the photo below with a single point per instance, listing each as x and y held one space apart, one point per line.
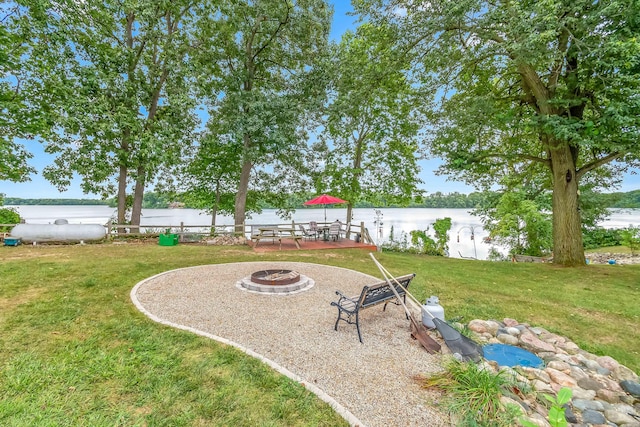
276 282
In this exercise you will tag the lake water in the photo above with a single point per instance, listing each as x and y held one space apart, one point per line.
401 219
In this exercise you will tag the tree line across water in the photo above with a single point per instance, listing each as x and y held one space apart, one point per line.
437 200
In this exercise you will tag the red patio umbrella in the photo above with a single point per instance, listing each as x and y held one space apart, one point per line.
325 200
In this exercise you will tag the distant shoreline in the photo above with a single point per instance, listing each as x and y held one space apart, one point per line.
15 201
152 200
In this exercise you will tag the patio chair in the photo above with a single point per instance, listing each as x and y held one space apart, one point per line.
308 234
334 231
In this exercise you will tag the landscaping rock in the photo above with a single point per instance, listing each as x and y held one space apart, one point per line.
618 417
592 365
624 373
510 322
478 326
493 327
507 401
227 241
589 384
599 384
532 343
608 395
560 366
569 346
578 373
569 415
561 378
631 387
593 417
508 339
587 404
608 362
543 387
609 383
537 421
580 393
621 259
627 409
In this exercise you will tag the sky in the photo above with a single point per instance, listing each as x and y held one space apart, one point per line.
39 187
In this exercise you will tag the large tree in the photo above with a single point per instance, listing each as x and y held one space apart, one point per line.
372 123
529 89
125 108
256 63
24 100
209 176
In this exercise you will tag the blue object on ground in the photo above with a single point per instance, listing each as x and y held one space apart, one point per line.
509 355
12 241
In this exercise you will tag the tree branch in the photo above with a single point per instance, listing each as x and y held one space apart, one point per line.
274 34
598 162
535 159
563 42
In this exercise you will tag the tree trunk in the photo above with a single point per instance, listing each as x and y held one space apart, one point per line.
122 198
357 174
568 249
349 212
138 196
214 208
243 189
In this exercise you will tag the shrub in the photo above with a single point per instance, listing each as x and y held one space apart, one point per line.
601 237
421 241
630 237
8 216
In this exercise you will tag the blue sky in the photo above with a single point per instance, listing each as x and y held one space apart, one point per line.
38 187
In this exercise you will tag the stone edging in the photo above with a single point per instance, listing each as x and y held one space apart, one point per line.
603 390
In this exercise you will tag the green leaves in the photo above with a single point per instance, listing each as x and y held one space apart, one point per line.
374 114
556 412
526 88
259 72
116 79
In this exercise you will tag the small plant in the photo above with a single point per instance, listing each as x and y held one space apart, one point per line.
630 237
496 255
556 412
473 394
421 241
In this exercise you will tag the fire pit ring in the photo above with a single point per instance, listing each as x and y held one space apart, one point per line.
275 277
275 282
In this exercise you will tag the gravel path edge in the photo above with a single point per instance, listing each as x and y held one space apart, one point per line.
341 410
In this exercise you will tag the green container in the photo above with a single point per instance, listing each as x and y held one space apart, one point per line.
168 239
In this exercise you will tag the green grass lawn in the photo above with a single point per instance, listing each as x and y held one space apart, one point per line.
75 351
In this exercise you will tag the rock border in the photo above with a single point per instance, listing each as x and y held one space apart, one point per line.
604 392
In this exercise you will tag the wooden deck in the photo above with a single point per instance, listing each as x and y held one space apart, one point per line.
310 245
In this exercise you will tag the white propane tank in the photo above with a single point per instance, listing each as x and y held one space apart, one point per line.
432 306
59 231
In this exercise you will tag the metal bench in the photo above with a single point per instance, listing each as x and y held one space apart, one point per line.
349 307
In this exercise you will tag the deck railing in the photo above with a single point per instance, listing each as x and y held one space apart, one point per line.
198 232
